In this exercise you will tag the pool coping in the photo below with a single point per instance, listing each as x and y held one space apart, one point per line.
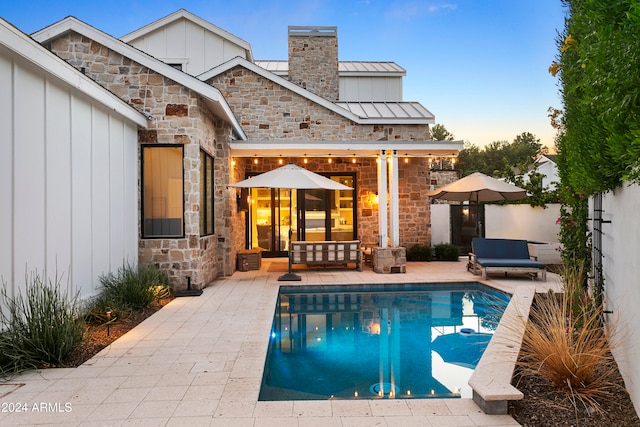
491 380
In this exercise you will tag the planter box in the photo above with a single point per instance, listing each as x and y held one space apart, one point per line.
249 260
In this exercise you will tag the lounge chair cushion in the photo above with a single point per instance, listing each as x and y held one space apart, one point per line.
506 262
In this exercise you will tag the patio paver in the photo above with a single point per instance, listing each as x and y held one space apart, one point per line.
198 361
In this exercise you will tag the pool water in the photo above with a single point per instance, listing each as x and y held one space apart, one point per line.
378 341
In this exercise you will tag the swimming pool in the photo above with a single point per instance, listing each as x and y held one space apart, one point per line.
378 341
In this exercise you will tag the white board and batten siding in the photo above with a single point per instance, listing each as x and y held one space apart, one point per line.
190 45
68 175
370 88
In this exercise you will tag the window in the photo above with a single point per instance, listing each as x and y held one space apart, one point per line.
206 194
162 191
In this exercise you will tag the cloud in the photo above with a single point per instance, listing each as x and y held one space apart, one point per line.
410 10
438 7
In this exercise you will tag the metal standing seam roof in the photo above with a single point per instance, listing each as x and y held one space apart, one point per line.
387 110
281 67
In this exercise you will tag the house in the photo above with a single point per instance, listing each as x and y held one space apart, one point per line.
546 165
69 170
214 116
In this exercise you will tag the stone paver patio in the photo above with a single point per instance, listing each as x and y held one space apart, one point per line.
199 362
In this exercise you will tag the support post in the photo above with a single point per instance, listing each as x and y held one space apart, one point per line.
382 199
395 211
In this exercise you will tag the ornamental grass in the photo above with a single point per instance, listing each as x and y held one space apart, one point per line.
566 342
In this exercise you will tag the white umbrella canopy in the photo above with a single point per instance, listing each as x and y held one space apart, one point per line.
478 187
291 176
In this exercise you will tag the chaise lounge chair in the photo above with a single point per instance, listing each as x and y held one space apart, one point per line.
502 256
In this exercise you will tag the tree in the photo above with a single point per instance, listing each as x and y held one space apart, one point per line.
599 69
440 133
499 156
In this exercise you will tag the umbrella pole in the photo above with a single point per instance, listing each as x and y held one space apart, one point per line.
290 276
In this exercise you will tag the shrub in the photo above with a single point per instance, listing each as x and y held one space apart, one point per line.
42 327
447 252
419 253
134 288
565 342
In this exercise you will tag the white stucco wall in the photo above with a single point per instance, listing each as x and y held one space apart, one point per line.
507 222
522 222
440 224
621 246
68 180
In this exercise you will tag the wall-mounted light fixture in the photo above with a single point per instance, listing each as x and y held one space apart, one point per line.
374 199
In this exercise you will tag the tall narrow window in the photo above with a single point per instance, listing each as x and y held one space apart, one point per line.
162 191
206 194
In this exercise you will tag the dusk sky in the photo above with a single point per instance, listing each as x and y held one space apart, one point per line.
480 66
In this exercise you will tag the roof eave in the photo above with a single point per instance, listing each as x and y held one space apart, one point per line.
314 148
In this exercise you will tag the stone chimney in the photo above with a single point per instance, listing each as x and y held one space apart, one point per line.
313 60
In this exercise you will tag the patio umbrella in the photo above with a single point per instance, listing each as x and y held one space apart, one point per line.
462 349
478 187
291 177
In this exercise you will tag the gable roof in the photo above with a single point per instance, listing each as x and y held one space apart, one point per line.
358 112
547 158
184 14
21 44
345 68
212 96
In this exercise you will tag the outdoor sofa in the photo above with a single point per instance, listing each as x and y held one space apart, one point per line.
327 253
503 256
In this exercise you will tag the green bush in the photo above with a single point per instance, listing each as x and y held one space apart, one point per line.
132 288
419 253
42 327
446 252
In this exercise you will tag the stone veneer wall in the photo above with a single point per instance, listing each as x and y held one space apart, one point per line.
179 117
268 111
313 60
440 178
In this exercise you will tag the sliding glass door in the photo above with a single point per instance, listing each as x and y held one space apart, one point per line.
317 215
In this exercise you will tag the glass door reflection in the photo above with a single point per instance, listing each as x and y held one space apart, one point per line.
271 220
